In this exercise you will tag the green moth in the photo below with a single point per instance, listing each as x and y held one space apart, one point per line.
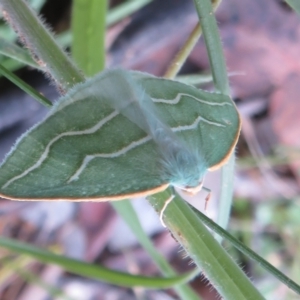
122 134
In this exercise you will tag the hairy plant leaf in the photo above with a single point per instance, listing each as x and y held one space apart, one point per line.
122 134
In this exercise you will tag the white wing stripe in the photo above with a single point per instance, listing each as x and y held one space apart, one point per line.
178 98
47 149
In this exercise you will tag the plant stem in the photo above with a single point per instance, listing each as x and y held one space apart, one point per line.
187 48
219 72
34 35
183 54
213 45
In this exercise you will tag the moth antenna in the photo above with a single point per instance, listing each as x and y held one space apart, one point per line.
207 198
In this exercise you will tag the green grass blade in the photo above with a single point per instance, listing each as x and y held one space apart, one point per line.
124 10
94 271
9 264
17 53
25 87
37 4
223 273
213 44
248 252
21 57
126 211
220 77
88 27
294 4
20 266
183 54
227 193
215 57
12 266
11 64
185 51
114 15
40 41
52 291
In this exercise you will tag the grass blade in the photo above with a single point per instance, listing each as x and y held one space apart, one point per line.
295 5
40 41
88 28
126 211
248 252
93 271
25 87
223 273
17 53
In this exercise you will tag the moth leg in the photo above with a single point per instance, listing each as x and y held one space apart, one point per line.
207 198
163 209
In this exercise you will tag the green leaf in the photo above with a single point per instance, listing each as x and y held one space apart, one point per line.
167 133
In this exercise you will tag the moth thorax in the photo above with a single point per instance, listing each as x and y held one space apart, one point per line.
184 168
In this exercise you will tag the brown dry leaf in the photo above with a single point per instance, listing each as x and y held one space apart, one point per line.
285 117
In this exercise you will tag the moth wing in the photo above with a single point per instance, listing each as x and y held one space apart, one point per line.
83 150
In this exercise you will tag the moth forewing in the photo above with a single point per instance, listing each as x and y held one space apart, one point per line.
121 134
